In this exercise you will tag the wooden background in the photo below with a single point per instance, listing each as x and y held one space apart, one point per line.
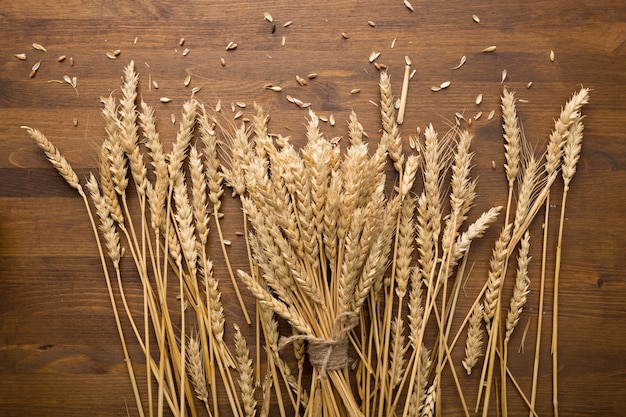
59 350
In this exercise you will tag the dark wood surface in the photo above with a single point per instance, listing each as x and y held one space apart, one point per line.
59 350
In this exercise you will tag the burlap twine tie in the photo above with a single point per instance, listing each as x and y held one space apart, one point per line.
328 354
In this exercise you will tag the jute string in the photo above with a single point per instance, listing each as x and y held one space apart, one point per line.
328 354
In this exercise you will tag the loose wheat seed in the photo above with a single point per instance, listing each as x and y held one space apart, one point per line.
289 98
530 84
181 42
268 17
117 52
39 47
186 51
300 80
461 62
287 23
551 56
490 48
373 102
355 91
110 55
523 101
238 115
331 119
66 78
223 62
475 18
61 58
75 121
282 41
312 75
165 99
379 66
155 85
323 119
241 105
344 35
238 233
187 80
71 61
274 88
218 106
173 118
21 57
374 56
135 40
412 74
371 23
435 88
36 66
478 115
232 106
444 84
408 5
503 76
393 43
493 165
479 98
227 242
32 74
491 114
231 46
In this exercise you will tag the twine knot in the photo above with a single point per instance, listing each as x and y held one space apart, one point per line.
328 354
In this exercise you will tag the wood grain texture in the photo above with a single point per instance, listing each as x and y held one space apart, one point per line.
59 349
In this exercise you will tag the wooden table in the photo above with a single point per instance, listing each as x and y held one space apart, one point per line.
59 350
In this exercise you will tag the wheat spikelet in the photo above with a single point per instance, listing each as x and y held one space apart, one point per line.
520 291
527 188
427 407
406 237
236 159
184 220
391 134
355 130
211 161
54 156
128 131
157 193
474 341
183 140
106 182
572 148
512 136
416 311
107 224
199 195
569 113
397 362
474 231
462 194
246 377
317 156
408 175
331 214
496 267
195 368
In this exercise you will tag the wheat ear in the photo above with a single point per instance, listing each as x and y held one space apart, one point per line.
571 154
54 156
